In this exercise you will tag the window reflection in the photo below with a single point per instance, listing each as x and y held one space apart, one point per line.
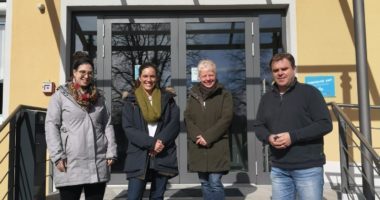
270 42
133 45
84 37
2 63
85 32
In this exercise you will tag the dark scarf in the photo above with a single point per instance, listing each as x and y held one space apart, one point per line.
151 112
84 97
206 92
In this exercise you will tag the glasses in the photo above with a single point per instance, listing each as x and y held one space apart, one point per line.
88 73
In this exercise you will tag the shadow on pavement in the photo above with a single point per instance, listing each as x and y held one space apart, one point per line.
234 191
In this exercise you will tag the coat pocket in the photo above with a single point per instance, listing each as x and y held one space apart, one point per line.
168 158
135 161
64 138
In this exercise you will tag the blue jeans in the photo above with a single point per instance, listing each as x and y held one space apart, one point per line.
136 187
212 187
307 184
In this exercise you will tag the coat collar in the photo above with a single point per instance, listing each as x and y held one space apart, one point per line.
196 93
167 93
291 86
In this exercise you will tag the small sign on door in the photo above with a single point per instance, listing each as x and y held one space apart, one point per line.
194 74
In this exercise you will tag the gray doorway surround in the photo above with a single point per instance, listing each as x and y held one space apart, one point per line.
176 44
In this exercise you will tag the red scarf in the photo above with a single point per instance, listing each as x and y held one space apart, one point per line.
84 97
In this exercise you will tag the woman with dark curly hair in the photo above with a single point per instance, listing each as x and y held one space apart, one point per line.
79 135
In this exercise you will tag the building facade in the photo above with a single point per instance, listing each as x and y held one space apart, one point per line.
240 36
2 52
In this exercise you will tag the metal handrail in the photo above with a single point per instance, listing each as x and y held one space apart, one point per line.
360 135
353 105
15 111
368 153
13 121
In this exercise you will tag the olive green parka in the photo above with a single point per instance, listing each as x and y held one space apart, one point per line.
210 117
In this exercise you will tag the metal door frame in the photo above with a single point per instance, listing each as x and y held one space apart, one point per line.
255 172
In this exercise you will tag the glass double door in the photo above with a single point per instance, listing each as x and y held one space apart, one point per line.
176 45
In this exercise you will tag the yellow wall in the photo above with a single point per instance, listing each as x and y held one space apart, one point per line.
35 52
4 147
34 58
326 46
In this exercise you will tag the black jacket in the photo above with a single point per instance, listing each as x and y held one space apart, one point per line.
302 112
139 141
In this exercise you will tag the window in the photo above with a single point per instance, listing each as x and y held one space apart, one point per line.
1 98
84 37
2 62
270 42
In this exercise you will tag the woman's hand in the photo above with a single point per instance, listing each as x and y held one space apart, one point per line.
201 141
61 165
110 162
158 147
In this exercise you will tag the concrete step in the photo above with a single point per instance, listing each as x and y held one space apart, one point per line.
193 191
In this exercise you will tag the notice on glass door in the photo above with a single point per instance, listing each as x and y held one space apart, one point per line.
136 75
194 74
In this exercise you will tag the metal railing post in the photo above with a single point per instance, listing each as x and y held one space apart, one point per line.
17 154
363 95
11 157
344 161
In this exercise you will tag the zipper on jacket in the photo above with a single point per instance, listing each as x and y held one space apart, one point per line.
200 100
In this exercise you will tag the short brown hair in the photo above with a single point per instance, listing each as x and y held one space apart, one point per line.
280 56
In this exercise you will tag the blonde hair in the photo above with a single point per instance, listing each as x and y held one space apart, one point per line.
207 64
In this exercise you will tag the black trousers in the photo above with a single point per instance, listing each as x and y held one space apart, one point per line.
91 191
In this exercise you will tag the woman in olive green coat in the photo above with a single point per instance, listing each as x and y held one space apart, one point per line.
208 116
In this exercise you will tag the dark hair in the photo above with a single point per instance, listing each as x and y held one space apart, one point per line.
147 65
144 66
281 56
80 58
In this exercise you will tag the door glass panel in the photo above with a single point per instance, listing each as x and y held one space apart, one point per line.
270 42
85 38
224 44
132 45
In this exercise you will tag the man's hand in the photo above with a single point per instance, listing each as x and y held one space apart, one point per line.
201 141
280 140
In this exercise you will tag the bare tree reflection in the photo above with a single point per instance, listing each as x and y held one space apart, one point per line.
224 43
133 45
